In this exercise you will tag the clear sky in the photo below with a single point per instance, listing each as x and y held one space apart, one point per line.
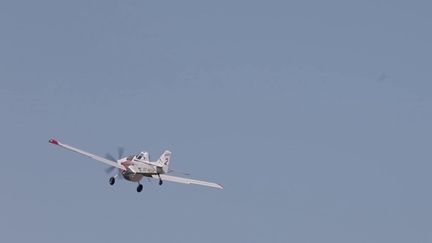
315 116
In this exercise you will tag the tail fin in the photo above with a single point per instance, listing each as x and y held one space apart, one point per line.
165 160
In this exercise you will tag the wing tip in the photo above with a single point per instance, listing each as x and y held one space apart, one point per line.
53 141
220 186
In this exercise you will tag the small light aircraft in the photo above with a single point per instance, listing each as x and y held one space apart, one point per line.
135 167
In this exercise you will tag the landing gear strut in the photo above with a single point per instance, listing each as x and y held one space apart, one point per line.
111 181
160 180
139 188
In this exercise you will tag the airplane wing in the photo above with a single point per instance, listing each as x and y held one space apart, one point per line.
98 158
177 179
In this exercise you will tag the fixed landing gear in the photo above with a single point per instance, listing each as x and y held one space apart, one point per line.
160 180
111 181
139 188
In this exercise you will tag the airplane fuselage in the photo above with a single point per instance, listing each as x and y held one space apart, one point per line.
131 176
136 170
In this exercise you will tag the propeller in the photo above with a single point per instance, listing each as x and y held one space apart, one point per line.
120 152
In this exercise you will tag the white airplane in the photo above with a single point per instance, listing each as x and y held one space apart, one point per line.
135 167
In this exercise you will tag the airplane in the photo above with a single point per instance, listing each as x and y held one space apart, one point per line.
135 167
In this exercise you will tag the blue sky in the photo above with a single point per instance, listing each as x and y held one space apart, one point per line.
315 116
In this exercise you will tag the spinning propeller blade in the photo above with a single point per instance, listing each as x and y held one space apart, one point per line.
109 170
120 152
110 157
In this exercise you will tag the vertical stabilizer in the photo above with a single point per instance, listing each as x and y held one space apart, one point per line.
165 160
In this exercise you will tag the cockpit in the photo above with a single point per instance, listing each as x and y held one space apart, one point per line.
142 156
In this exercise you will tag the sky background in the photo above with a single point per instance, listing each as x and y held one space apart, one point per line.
315 116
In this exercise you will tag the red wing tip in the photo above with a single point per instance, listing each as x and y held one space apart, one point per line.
53 141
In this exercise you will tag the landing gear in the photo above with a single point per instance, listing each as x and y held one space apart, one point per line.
160 180
111 181
139 188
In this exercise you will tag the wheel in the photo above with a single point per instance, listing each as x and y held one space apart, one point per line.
160 182
111 181
139 188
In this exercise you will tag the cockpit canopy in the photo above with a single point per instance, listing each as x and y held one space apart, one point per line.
142 156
